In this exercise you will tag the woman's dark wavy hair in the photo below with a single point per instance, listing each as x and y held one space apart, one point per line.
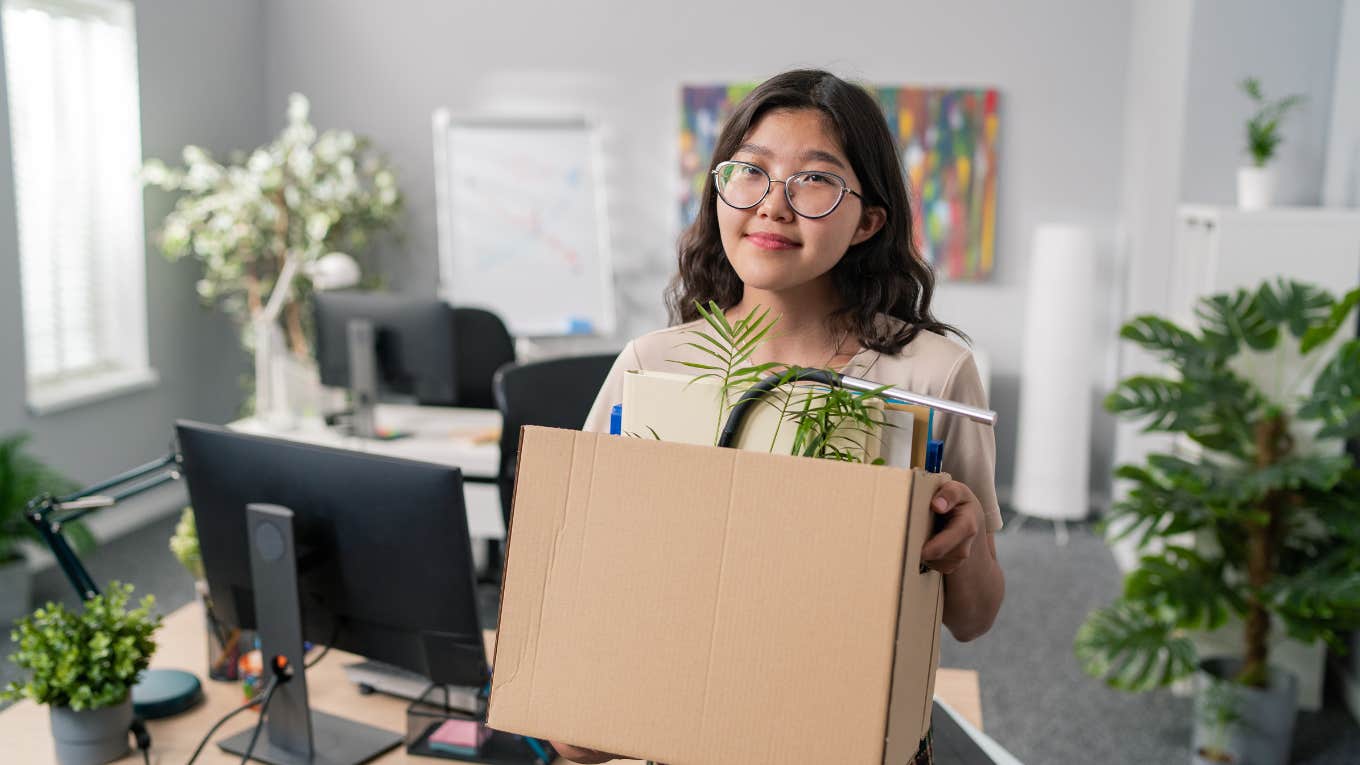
883 274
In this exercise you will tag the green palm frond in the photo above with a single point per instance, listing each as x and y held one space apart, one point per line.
1317 472
1133 647
1166 338
1315 601
1322 332
1294 305
1189 586
1237 318
1336 395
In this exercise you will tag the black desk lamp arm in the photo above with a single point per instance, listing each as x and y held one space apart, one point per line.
48 513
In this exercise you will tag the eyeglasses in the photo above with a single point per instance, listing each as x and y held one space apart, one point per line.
811 193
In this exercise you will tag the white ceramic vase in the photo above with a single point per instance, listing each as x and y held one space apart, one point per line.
1255 187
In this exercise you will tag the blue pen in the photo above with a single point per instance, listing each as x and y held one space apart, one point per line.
539 751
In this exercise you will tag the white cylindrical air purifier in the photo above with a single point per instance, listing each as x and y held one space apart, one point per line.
1053 449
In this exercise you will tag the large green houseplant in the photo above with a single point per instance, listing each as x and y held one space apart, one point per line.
1259 518
23 477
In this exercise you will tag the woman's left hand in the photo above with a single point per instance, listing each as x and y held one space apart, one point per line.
948 549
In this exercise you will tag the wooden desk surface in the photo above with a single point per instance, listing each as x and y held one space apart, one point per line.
24 726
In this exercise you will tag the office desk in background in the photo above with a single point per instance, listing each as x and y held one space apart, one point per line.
463 438
182 644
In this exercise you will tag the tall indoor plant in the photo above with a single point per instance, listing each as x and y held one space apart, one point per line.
261 223
23 477
83 664
1256 182
1259 518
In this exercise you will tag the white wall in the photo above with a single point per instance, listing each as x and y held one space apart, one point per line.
1341 184
382 69
1291 47
202 71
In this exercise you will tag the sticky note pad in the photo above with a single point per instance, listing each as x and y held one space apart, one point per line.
463 734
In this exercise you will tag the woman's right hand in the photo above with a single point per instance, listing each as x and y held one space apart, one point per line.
581 754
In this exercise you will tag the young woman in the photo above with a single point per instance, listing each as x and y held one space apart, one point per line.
805 212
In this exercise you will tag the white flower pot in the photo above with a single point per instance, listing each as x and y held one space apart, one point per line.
1255 187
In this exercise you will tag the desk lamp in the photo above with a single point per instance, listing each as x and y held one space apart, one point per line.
160 692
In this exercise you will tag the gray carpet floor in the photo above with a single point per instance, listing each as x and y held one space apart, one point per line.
1035 700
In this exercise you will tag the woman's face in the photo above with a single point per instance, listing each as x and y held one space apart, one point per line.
771 247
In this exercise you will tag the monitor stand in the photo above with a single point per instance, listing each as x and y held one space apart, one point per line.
363 376
293 734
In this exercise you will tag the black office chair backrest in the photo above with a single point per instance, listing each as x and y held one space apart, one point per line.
556 393
482 345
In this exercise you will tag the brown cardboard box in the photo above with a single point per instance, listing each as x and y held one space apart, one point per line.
703 606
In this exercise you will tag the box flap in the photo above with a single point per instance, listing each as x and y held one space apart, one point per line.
700 605
918 632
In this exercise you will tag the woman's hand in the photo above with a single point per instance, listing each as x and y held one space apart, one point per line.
581 754
949 549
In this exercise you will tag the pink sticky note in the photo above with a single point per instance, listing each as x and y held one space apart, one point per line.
466 733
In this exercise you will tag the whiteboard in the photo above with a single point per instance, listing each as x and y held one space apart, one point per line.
522 224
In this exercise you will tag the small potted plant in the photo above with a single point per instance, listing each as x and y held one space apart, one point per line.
1256 518
1256 182
23 477
82 665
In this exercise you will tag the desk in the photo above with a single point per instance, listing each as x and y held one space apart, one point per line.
24 726
442 435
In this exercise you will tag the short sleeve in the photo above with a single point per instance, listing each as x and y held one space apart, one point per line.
611 392
970 447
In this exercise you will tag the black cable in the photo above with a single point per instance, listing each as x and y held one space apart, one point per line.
335 633
259 724
272 682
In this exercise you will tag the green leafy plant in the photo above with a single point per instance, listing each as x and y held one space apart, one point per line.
302 196
23 477
831 423
84 659
1218 712
1270 502
1263 128
184 544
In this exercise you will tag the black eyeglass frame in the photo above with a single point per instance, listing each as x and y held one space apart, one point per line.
769 183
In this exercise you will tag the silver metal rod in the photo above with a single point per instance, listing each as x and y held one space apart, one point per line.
984 416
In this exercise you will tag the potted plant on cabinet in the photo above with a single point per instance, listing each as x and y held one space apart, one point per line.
82 665
1261 519
23 477
1256 182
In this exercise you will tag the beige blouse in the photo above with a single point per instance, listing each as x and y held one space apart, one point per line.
929 364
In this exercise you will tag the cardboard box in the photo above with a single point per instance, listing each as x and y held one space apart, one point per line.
702 606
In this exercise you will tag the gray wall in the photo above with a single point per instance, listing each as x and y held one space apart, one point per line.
1341 184
382 70
202 65
1292 48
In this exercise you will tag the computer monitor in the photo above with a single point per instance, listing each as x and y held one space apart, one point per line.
412 343
365 553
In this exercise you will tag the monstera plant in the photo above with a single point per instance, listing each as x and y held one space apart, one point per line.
1256 514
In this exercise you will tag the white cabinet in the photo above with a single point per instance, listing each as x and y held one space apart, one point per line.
1223 248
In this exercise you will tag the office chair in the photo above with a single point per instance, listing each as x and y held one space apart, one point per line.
554 392
483 345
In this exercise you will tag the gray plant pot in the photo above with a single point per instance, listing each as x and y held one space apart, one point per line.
1240 725
16 584
91 736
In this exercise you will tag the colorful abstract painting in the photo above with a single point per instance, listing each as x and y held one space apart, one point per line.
947 140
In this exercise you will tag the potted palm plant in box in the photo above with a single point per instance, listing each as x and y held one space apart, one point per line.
23 477
1260 519
83 664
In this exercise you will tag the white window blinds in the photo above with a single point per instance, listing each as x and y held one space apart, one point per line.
71 71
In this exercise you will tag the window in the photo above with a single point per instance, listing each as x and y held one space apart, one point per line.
71 70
